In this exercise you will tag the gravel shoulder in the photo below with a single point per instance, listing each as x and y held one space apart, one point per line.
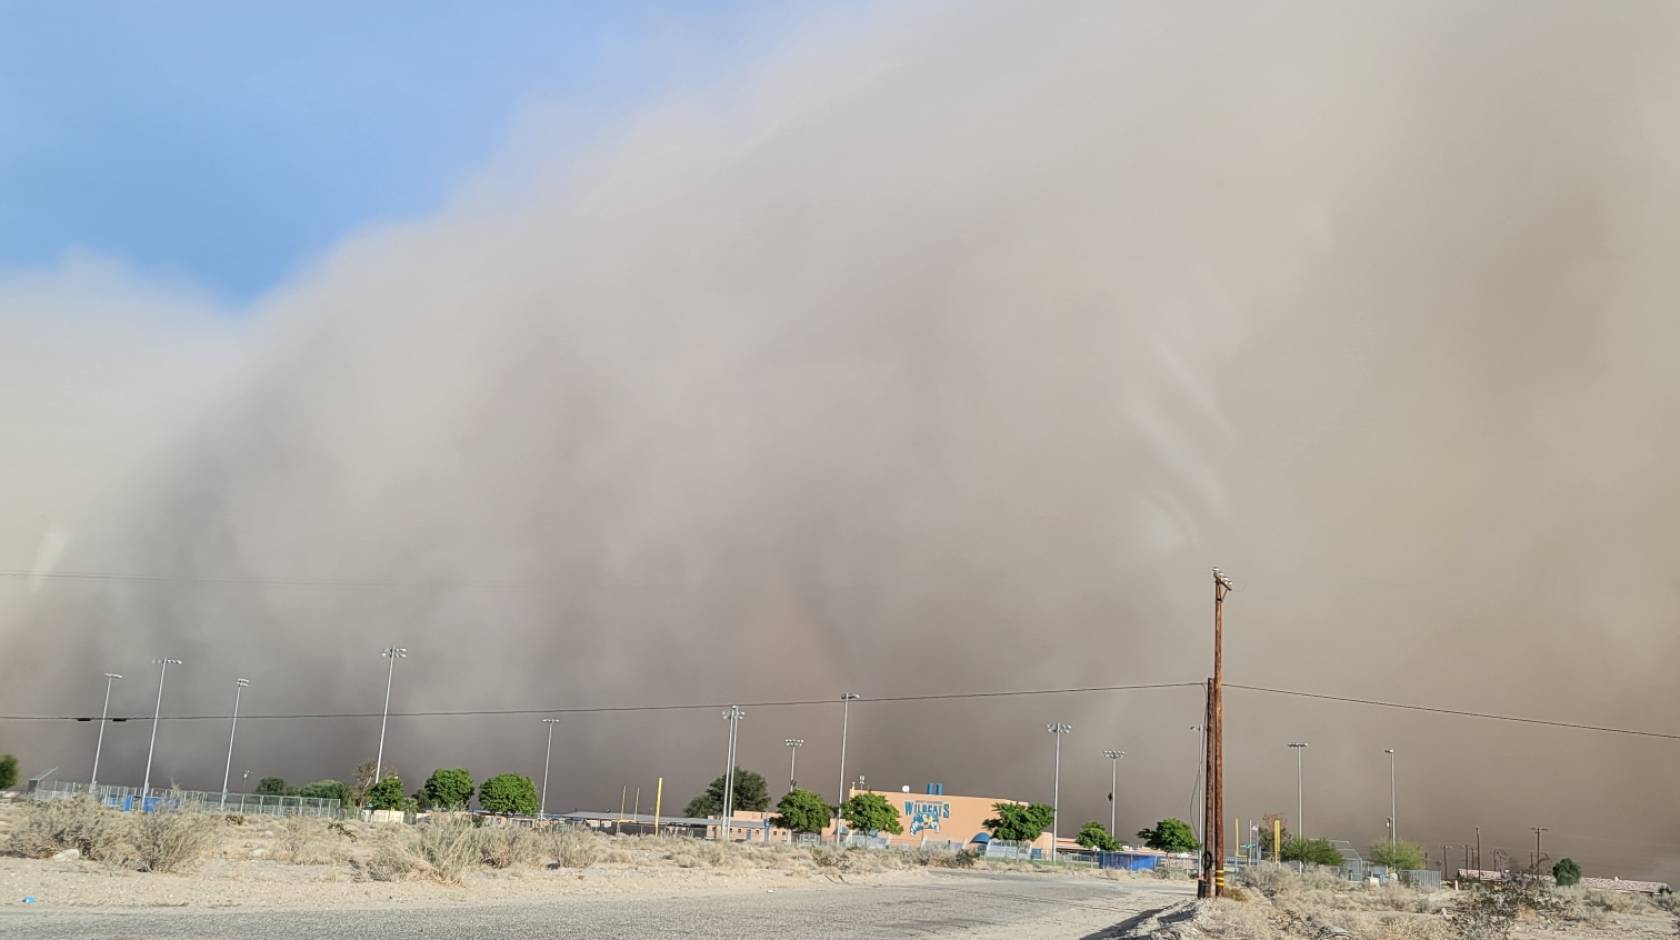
975 905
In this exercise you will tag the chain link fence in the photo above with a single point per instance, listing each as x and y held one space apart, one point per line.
154 800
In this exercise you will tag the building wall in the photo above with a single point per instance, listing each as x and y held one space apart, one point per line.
943 817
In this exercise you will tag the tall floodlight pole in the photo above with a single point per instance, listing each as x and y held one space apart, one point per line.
1300 818
98 745
1113 784
846 700
157 714
1058 729
542 807
1213 802
793 746
238 687
1393 804
393 653
733 714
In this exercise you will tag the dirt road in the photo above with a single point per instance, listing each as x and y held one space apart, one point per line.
971 905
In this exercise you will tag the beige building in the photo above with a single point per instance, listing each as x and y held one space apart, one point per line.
926 819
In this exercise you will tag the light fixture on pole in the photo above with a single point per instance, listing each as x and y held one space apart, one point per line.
846 700
1393 805
393 653
793 746
542 807
733 714
157 715
93 779
1057 728
1300 823
238 687
1113 782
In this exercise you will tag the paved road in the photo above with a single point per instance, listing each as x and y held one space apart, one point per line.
969 904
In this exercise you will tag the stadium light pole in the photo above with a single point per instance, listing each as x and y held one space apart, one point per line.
542 807
393 653
1393 804
99 744
157 714
793 746
1113 782
1300 821
846 700
1057 728
227 771
733 714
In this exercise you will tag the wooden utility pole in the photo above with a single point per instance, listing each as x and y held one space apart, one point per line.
1213 852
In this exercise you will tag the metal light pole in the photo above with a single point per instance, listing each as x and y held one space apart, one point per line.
93 780
1113 783
846 700
733 714
1393 805
157 714
393 653
1057 728
238 687
1300 821
793 746
542 807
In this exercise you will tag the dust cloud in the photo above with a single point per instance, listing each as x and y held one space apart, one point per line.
944 351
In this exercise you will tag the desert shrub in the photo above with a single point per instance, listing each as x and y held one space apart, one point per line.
507 846
571 847
1267 878
309 841
395 859
509 793
1566 872
167 841
449 849
50 827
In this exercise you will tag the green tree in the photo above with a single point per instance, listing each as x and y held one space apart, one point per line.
386 794
1171 835
1266 847
327 790
870 812
447 788
803 811
1566 872
751 792
1401 856
1311 852
361 780
1016 822
273 786
8 771
509 793
1094 835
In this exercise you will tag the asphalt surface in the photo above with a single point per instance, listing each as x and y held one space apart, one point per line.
951 905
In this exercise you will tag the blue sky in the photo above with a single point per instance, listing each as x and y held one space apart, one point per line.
231 143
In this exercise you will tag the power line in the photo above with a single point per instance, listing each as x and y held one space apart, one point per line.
353 584
1459 712
599 709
